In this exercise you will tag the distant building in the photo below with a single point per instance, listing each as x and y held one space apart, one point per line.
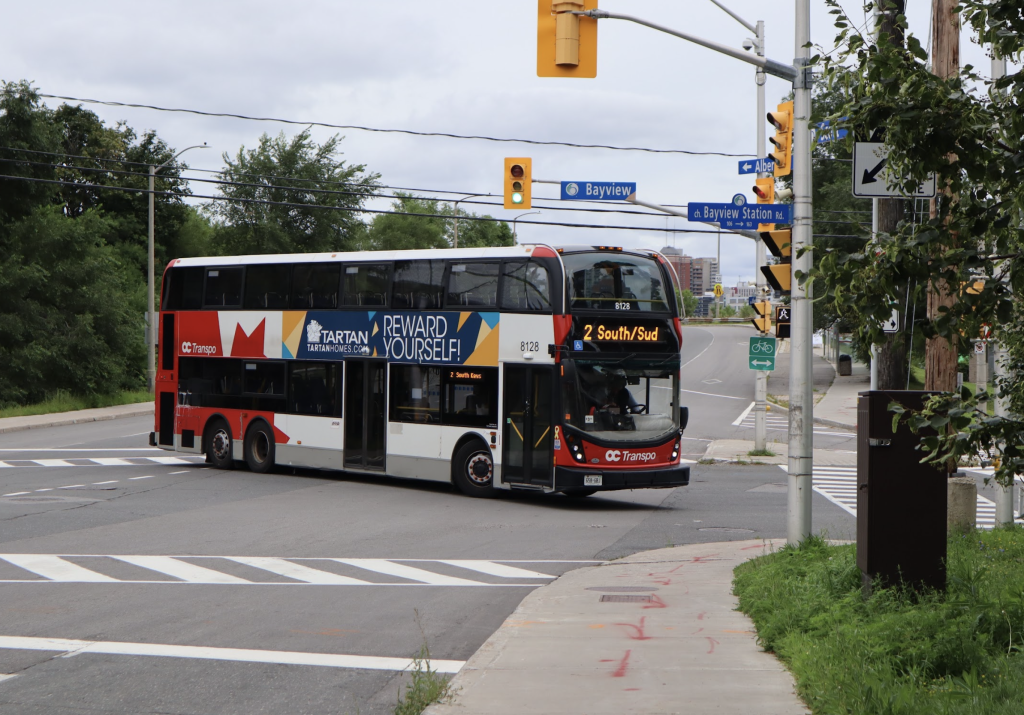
695 274
737 296
704 307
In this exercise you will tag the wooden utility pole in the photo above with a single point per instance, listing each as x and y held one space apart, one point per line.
892 354
941 353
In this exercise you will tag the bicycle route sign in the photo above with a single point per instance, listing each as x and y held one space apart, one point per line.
762 353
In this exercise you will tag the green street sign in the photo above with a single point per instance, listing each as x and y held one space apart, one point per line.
761 363
762 354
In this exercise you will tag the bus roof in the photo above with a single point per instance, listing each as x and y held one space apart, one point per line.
368 256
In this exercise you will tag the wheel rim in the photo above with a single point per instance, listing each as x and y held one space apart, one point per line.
221 444
480 469
260 447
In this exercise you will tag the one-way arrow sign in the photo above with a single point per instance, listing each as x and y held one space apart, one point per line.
870 174
871 177
892 325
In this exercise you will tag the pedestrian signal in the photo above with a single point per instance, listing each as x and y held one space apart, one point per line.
518 177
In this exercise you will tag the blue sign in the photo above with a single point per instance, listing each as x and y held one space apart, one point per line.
751 299
757 166
597 190
577 345
747 216
826 133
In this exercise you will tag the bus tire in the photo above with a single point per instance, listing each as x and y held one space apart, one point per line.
579 493
259 448
473 470
218 444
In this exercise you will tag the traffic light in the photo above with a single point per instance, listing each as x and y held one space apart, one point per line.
764 189
782 155
782 321
763 321
518 175
566 43
780 244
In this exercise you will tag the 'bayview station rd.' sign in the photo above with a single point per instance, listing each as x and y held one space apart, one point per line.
744 216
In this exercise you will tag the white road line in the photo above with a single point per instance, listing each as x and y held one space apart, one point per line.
743 415
110 462
167 460
278 657
16 494
149 477
183 471
493 569
112 481
181 569
298 572
402 571
81 449
701 352
72 486
711 394
48 489
5 464
52 463
55 568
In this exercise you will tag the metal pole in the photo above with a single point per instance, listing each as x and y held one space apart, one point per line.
760 376
801 396
151 364
874 348
718 267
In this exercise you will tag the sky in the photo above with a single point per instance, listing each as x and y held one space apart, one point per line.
455 66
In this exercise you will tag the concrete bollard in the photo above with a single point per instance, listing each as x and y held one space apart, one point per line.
962 504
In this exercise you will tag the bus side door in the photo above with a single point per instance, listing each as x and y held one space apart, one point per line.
528 425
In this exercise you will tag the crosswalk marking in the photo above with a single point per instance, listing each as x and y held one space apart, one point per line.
181 569
52 463
168 460
283 567
839 486
110 461
54 568
102 461
780 423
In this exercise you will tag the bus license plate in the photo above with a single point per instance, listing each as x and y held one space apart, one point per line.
592 480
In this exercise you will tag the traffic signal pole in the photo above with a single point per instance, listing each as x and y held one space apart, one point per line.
760 376
801 387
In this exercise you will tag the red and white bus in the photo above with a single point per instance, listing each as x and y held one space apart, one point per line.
553 370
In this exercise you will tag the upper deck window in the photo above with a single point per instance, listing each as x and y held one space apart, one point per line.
526 286
473 284
316 285
602 281
223 288
366 284
418 285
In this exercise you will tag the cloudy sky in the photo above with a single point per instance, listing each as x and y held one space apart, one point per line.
455 66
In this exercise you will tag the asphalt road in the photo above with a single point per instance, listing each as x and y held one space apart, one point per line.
309 565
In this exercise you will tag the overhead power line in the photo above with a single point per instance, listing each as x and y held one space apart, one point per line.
288 204
447 135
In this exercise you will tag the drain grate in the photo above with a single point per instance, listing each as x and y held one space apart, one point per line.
624 599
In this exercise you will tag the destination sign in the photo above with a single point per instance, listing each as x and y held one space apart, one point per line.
465 375
616 334
620 333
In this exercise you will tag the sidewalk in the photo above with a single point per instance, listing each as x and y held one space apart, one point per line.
653 633
736 450
839 406
59 419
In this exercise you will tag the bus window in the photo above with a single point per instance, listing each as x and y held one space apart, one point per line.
471 396
526 287
418 285
366 284
315 286
615 282
267 287
183 289
473 284
415 394
313 389
223 288
263 378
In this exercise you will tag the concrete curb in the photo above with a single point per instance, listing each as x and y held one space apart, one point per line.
62 419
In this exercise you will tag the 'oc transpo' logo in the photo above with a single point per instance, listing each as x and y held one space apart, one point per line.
620 455
189 348
313 332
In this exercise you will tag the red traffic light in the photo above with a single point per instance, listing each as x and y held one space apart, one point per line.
517 171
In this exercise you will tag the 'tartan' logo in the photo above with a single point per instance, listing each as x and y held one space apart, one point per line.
313 332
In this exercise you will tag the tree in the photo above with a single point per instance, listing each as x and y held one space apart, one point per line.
434 229
747 311
688 301
973 142
315 198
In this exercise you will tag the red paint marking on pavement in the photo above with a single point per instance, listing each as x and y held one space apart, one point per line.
638 631
700 559
606 660
656 603
620 672
700 616
696 631
712 643
755 546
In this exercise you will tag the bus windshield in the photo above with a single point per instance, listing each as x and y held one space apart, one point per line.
622 401
615 281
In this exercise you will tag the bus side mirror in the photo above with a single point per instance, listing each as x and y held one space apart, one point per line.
684 417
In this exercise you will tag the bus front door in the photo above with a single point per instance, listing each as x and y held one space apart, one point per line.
528 425
365 428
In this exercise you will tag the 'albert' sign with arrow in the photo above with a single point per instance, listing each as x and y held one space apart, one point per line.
871 178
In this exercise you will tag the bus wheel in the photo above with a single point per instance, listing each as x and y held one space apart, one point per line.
218 445
259 448
473 470
579 493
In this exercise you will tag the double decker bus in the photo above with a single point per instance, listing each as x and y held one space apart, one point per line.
532 368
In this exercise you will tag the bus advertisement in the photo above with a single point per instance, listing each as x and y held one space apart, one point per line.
527 368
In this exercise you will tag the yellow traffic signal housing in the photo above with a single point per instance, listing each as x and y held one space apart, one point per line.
764 189
782 155
763 321
780 243
518 177
566 43
779 276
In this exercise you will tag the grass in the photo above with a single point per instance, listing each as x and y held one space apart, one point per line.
779 400
426 688
760 453
62 401
895 653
